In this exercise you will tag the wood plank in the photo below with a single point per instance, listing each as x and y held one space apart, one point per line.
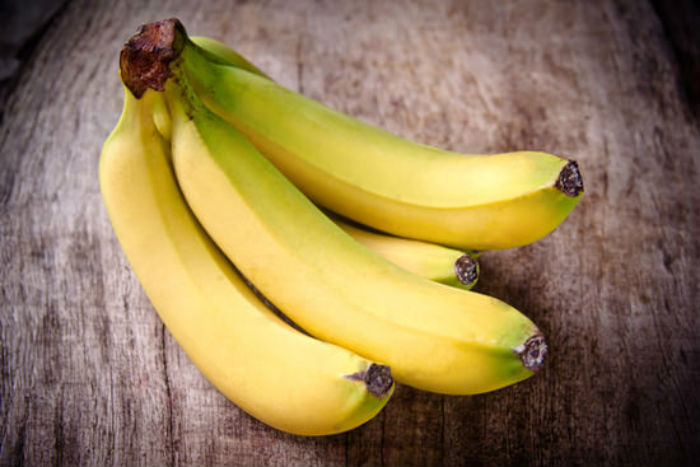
90 375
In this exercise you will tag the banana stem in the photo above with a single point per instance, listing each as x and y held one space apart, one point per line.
145 59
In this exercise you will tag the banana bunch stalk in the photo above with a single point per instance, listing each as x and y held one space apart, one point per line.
211 180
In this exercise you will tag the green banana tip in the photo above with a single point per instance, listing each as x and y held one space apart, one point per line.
145 59
377 379
533 352
569 180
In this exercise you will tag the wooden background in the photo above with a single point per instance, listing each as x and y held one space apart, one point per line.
91 377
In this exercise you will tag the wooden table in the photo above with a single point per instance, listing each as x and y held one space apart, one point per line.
90 376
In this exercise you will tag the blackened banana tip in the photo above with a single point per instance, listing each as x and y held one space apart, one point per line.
569 180
377 378
533 352
466 269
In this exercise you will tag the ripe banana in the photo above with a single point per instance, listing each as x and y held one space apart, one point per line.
434 337
378 179
278 375
435 262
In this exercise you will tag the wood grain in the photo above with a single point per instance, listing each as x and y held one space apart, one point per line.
90 375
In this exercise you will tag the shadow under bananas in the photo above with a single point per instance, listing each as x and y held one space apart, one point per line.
519 277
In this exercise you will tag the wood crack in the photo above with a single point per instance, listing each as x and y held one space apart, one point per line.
300 66
168 393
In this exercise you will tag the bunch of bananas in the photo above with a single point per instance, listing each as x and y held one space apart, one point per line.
216 178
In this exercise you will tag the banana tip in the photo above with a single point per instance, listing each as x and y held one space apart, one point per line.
377 378
533 352
569 180
467 269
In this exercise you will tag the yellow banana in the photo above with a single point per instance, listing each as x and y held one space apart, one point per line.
278 375
434 337
378 179
435 262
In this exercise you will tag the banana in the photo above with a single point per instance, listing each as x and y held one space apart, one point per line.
280 376
434 337
378 179
435 262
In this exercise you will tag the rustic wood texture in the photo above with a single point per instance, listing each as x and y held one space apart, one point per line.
90 376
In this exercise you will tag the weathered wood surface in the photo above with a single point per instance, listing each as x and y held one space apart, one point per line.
91 377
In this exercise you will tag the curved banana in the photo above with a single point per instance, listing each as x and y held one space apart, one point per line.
278 375
389 183
435 262
434 337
